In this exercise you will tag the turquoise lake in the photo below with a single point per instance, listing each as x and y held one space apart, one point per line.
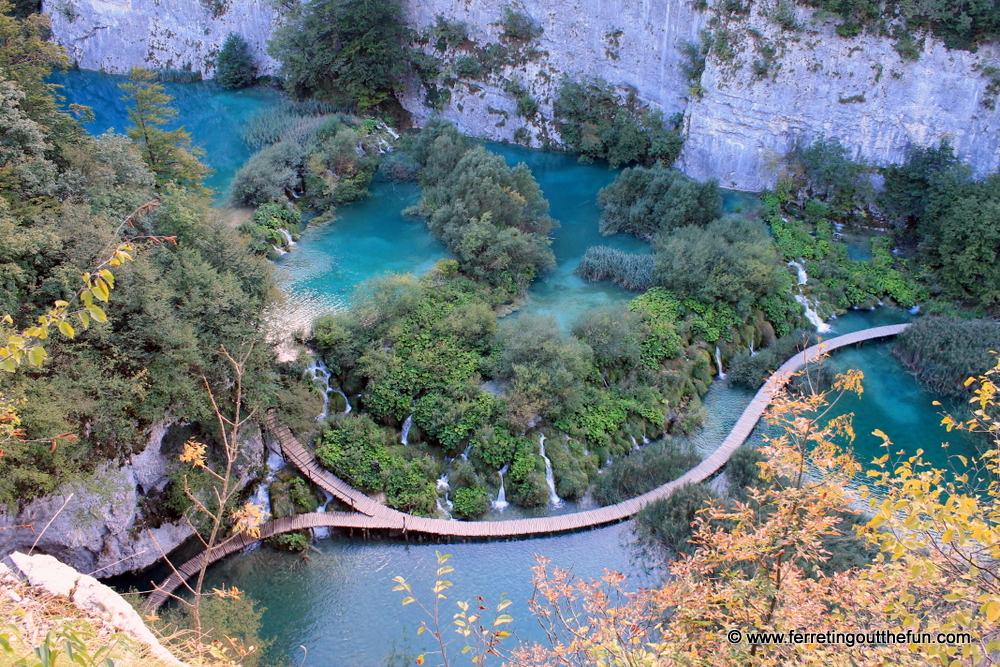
338 603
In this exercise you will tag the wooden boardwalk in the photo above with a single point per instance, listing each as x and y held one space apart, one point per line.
371 515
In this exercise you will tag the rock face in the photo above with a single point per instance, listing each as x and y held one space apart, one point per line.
859 90
117 35
89 595
99 530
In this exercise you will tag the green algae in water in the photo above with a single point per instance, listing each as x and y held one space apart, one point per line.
212 114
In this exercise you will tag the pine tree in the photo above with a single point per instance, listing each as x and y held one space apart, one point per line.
235 67
167 153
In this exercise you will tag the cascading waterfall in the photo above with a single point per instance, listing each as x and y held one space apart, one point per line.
752 351
405 431
465 452
806 303
280 251
500 504
323 532
444 505
550 478
261 496
718 363
288 237
321 374
347 403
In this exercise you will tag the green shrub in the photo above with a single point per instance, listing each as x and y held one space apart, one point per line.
518 26
662 529
944 351
630 270
645 201
234 66
643 471
289 542
596 122
470 502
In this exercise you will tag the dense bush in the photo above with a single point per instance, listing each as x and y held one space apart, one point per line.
909 186
517 25
234 66
263 228
752 370
824 170
662 529
944 351
470 502
353 50
598 123
492 217
643 471
630 270
645 201
733 261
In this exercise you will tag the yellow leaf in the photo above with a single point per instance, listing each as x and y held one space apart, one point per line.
407 600
97 313
503 618
36 355
992 611
66 329
420 659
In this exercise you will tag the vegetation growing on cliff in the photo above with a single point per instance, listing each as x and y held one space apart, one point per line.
354 52
598 122
235 66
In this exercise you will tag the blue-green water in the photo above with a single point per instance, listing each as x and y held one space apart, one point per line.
338 603
210 113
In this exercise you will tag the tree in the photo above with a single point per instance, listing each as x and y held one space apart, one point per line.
168 154
350 50
235 67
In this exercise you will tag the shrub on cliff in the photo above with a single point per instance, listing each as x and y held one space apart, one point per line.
598 123
353 51
235 67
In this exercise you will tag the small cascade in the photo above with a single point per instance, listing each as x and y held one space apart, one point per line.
914 310
280 251
718 363
812 315
752 351
444 504
288 237
550 478
500 504
347 409
635 443
323 532
405 432
261 496
321 375
803 276
465 453
806 303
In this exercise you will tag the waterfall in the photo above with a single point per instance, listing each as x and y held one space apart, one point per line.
347 403
635 443
465 453
812 315
752 352
288 237
550 478
405 433
261 496
444 505
321 374
718 363
280 251
500 504
807 304
323 532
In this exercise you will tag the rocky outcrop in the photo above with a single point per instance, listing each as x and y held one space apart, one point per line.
95 525
95 599
747 108
116 35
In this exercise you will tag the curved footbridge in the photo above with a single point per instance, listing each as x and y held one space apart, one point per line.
371 515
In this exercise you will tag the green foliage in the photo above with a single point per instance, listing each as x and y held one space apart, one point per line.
630 270
235 67
492 217
518 26
263 227
732 263
961 240
752 370
662 529
614 333
356 448
324 156
222 619
909 186
962 25
645 201
353 50
289 542
944 351
642 471
470 503
659 311
526 106
596 122
824 170
168 154
302 495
